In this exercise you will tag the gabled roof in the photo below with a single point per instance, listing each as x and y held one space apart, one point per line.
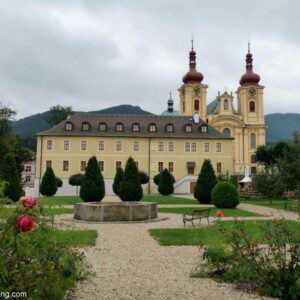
179 123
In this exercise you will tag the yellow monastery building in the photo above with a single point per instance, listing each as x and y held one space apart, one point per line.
179 141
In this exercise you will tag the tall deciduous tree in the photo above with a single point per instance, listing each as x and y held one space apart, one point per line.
205 183
131 188
48 185
13 188
58 113
92 183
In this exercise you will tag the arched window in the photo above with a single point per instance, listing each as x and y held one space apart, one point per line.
252 106
86 126
253 141
196 105
119 127
135 127
227 131
225 104
102 126
69 126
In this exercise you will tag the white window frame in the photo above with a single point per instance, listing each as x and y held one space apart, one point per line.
83 163
206 147
171 146
83 145
171 162
118 146
187 147
66 145
65 166
136 146
193 147
160 146
101 146
219 147
160 166
49 145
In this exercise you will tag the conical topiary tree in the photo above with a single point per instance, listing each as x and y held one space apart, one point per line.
166 183
13 188
92 183
205 183
48 185
131 188
117 180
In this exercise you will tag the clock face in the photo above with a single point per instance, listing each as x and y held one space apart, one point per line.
197 90
252 92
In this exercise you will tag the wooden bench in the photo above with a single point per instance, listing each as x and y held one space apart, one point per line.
198 214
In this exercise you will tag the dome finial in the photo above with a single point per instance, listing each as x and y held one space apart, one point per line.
170 94
192 40
248 42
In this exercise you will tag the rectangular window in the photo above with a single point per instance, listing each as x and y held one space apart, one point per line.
219 167
187 147
118 164
137 164
101 145
160 146
194 147
83 145
27 178
170 146
49 144
83 165
219 147
66 145
206 147
136 146
101 165
135 127
65 165
160 166
119 127
48 163
118 146
171 167
27 169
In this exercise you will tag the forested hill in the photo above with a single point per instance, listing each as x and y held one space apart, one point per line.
31 125
281 126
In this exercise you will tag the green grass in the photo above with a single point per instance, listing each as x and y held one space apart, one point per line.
59 200
74 238
228 212
7 212
159 199
276 203
208 234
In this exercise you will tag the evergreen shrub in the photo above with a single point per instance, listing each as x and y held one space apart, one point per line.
117 180
48 185
166 183
225 195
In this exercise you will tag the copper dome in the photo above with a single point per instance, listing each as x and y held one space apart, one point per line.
192 76
249 77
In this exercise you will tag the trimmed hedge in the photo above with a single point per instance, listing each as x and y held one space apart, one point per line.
225 195
48 185
166 183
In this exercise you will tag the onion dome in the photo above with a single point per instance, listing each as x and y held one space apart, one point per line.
192 76
249 78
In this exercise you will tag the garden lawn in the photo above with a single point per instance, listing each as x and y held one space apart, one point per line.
209 234
159 199
7 212
59 200
73 238
228 212
276 203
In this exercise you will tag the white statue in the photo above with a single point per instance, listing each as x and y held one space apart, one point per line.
247 177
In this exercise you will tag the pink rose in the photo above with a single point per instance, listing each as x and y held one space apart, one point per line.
25 223
219 214
29 202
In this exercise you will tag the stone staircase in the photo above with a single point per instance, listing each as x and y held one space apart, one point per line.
247 191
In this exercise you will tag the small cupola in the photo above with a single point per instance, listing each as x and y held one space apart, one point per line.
170 103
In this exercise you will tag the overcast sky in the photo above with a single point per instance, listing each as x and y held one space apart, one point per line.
94 54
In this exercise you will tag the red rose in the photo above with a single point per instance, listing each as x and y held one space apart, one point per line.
219 214
29 202
25 223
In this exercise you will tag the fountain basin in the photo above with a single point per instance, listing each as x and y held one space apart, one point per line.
115 211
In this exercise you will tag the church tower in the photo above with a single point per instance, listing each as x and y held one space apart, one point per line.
250 107
192 93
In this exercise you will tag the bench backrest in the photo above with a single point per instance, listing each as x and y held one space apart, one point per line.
204 212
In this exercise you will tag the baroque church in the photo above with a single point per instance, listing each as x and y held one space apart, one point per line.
177 140
246 124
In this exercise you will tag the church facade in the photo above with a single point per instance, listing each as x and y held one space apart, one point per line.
178 141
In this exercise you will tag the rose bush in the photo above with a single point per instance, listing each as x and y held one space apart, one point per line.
29 202
24 223
219 214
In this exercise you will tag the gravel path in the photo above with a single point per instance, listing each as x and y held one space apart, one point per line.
130 264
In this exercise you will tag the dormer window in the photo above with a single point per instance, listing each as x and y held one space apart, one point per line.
152 128
102 127
203 128
188 128
86 126
169 128
119 127
69 126
136 127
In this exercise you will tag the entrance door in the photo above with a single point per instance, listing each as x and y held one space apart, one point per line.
190 170
192 187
